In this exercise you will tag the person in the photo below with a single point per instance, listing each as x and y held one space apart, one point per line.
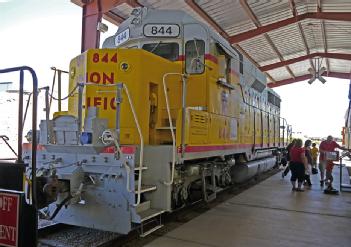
326 165
298 162
287 169
308 155
314 153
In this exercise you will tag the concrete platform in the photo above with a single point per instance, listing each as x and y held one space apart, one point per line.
270 214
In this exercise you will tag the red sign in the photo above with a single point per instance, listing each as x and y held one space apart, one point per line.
9 216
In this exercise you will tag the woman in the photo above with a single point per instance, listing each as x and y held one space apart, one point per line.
287 169
308 155
298 162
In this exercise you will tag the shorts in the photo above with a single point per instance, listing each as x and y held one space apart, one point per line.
330 166
322 165
326 165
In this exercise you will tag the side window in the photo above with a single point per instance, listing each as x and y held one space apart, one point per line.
195 56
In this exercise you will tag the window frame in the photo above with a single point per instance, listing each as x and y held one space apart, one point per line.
203 59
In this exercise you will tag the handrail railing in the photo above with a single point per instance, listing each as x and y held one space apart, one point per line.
5 139
141 159
34 127
170 121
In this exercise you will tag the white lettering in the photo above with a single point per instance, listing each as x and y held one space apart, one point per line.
6 203
8 233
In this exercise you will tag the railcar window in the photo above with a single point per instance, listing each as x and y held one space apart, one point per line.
168 51
195 56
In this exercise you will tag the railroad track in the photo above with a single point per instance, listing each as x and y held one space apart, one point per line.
60 235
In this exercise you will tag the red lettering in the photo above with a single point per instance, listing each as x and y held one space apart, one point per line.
113 103
106 78
96 57
114 58
95 77
105 58
105 103
97 101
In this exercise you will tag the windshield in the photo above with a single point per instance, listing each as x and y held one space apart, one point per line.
168 51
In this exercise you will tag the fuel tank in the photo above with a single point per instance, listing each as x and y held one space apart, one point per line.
245 171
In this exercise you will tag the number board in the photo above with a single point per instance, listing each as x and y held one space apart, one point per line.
122 37
161 30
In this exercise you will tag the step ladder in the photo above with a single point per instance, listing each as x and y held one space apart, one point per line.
209 188
148 219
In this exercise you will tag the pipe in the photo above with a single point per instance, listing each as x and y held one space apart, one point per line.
47 112
80 109
20 119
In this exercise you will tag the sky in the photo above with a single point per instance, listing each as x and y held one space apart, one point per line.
47 33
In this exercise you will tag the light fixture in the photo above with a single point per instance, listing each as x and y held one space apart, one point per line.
102 27
136 21
136 12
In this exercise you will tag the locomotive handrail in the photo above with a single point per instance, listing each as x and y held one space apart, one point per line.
171 124
124 162
141 143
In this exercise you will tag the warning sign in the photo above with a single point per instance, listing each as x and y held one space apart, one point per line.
9 216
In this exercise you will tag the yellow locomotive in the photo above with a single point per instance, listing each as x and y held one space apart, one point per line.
166 113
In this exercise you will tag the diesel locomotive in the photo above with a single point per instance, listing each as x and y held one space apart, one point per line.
166 113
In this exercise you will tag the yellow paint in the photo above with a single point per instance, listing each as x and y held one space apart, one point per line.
215 114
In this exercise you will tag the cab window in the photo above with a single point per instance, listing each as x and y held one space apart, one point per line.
168 51
195 56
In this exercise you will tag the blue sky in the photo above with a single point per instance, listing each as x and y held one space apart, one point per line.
45 33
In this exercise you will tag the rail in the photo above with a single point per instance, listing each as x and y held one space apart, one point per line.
170 121
34 127
141 143
5 139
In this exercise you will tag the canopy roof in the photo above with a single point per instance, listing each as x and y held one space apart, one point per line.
283 38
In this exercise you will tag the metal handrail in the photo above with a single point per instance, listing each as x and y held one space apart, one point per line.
34 128
5 139
141 143
171 124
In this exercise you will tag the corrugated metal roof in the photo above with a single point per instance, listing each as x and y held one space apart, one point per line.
280 47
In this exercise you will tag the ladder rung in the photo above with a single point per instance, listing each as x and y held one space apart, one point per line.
151 231
165 128
145 188
149 214
138 168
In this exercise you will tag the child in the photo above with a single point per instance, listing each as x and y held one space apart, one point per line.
314 153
